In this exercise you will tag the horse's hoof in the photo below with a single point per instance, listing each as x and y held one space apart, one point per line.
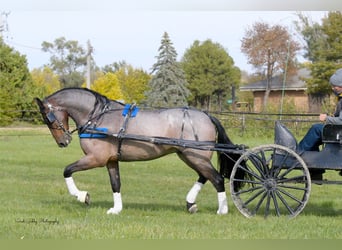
113 211
192 207
87 199
84 197
223 210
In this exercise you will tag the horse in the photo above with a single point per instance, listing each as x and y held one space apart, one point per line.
102 127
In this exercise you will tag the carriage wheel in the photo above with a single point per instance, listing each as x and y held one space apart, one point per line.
276 181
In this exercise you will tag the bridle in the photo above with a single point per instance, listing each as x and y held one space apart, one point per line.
50 119
101 107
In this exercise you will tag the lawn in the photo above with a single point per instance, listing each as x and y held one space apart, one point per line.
35 203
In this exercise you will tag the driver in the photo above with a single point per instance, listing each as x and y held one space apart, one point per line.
313 138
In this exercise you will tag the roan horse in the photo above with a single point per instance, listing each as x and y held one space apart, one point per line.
102 127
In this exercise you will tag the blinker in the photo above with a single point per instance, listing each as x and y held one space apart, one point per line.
51 117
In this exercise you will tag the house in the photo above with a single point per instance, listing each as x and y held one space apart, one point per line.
293 90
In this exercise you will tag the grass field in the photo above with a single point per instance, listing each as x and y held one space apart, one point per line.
35 203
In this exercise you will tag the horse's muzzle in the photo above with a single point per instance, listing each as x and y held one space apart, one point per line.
66 139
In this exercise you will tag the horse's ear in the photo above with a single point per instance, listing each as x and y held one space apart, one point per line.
39 102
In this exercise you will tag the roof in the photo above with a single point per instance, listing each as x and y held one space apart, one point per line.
294 82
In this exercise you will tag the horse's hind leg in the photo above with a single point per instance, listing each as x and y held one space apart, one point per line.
192 194
202 165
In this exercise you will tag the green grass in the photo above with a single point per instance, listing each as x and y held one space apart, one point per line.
35 203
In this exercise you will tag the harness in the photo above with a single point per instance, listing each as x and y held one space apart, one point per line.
129 111
187 115
90 130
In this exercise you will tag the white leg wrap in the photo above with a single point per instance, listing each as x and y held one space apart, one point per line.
222 202
117 204
82 196
73 190
192 195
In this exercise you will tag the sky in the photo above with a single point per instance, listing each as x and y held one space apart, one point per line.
132 30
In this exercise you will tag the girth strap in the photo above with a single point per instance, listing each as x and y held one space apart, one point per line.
127 114
186 114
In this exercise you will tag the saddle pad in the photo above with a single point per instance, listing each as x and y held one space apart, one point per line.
128 109
95 133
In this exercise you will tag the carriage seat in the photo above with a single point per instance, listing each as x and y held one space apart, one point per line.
332 133
284 137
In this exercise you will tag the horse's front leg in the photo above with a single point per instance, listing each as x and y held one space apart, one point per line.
82 196
83 164
114 175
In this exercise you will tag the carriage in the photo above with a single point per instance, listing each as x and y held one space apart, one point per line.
280 182
271 179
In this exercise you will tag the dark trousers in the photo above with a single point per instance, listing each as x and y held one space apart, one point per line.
311 142
313 138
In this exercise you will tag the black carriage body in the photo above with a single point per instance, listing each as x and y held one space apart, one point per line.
276 178
330 157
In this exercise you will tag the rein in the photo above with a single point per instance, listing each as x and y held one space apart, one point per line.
100 105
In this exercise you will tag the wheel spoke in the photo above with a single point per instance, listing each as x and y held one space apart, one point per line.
284 202
293 187
255 196
257 163
294 179
264 163
276 206
256 209
248 181
290 195
268 202
275 182
249 190
249 171
288 170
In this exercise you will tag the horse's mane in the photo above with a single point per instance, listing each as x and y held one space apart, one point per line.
100 99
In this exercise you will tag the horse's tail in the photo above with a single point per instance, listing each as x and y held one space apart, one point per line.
226 160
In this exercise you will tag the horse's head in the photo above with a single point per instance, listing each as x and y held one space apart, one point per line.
56 118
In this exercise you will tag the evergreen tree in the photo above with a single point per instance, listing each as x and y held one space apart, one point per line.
168 86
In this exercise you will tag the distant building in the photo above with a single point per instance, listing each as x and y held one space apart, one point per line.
294 91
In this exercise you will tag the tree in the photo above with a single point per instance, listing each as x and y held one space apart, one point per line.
269 49
323 49
108 85
210 71
168 86
114 67
45 81
133 83
332 28
313 36
67 60
16 88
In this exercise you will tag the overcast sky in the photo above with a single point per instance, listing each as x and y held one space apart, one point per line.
133 32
